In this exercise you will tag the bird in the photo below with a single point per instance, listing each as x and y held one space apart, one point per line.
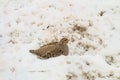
52 49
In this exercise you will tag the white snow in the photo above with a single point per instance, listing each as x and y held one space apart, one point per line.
92 27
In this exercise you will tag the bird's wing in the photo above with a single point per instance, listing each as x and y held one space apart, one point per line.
48 49
52 51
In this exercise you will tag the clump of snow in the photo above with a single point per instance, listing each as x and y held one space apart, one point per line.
91 27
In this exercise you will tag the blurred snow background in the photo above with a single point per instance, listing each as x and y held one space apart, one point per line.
93 28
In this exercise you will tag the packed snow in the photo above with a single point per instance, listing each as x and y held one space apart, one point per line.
92 27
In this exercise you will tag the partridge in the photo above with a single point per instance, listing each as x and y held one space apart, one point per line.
52 49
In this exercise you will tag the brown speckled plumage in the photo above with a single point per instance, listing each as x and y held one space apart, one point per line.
53 49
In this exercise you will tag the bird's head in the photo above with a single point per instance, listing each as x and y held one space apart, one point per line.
64 41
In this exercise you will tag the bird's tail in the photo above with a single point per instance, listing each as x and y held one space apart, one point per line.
32 51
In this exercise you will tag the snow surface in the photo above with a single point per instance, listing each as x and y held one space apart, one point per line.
92 27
